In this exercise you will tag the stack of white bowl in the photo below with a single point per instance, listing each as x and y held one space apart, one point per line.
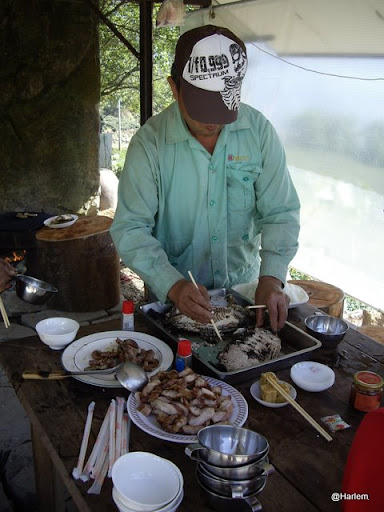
144 482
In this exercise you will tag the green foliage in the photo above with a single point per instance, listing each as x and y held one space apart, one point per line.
118 158
120 69
296 274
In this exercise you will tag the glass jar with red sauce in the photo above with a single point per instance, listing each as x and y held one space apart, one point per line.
366 391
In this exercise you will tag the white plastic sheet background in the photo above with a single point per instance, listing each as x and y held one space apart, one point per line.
316 70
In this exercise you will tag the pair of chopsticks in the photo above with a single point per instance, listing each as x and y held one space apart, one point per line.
212 322
7 323
298 407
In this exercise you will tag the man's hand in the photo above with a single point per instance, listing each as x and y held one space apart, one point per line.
270 292
7 272
191 301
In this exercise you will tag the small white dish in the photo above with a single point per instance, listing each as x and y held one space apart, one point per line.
255 392
51 221
145 482
312 376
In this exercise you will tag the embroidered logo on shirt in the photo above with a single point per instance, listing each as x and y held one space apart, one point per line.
238 158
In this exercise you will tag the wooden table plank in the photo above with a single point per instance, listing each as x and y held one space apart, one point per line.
308 468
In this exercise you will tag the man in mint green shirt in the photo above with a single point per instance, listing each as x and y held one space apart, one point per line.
205 188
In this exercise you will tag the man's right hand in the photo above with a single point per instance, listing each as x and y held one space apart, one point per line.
191 301
7 272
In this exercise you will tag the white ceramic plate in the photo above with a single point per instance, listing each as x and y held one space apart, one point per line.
150 425
296 294
48 222
76 356
255 392
312 376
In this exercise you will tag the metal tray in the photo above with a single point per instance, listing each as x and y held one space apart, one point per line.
295 343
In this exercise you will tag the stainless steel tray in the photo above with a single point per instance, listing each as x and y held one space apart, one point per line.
295 343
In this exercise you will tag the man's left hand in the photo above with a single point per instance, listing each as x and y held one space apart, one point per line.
270 292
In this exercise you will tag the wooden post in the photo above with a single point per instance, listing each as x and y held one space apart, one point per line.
82 262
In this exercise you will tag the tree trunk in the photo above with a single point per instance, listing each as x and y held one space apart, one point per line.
82 262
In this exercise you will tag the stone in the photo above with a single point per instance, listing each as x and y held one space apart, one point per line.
373 317
109 184
19 476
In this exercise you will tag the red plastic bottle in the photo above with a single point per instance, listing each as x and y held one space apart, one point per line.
183 355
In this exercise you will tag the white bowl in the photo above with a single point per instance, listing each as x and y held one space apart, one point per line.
51 221
57 332
171 507
312 376
145 482
255 392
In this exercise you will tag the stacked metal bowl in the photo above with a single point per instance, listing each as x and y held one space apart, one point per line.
232 466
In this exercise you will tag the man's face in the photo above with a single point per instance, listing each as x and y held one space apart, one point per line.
195 127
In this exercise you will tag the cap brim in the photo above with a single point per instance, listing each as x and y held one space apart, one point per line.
205 106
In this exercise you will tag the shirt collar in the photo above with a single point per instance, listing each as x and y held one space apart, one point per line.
177 130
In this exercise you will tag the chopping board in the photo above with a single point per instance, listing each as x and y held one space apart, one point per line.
324 296
82 228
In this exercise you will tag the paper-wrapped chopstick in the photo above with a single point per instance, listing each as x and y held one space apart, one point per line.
84 443
102 437
212 322
119 420
6 321
112 441
298 407
100 477
126 431
112 437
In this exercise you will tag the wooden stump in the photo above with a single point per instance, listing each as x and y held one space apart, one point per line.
324 296
82 262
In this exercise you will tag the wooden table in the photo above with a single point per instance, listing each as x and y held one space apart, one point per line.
308 468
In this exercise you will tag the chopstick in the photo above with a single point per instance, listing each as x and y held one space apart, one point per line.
298 407
7 323
212 322
256 306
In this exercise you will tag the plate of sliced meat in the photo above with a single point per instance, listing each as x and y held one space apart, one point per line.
174 406
107 349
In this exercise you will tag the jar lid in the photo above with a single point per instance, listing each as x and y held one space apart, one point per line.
368 380
128 307
184 348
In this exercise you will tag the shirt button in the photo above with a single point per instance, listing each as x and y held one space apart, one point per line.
217 272
212 203
212 167
245 178
214 238
245 237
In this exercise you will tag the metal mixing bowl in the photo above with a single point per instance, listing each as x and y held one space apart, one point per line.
230 488
33 290
330 330
228 504
255 469
228 446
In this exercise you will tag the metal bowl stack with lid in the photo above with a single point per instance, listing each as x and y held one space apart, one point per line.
232 466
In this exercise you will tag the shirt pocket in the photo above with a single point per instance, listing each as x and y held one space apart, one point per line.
240 185
180 253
